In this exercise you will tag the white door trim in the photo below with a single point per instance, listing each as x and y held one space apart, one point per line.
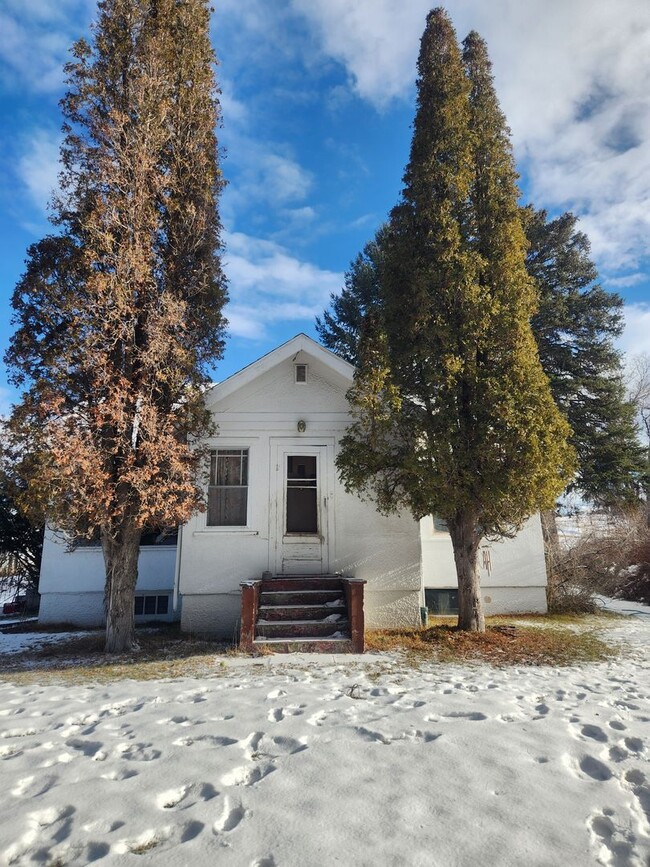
317 549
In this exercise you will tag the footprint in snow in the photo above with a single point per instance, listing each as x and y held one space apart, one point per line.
277 714
614 844
138 752
368 735
473 716
247 775
595 733
87 748
212 740
618 754
595 769
32 787
230 818
173 798
418 735
641 791
118 776
274 747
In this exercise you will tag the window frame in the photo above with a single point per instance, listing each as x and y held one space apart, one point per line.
214 455
143 596
432 592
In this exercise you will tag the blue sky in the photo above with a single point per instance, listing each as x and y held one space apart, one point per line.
318 98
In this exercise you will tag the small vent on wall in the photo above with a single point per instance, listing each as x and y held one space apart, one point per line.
301 372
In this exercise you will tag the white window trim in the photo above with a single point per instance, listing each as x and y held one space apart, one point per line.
245 529
295 373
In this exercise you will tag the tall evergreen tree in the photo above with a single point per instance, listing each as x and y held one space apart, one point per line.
453 415
21 541
340 328
575 326
120 313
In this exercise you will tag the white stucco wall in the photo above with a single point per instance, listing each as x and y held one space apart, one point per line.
513 571
72 582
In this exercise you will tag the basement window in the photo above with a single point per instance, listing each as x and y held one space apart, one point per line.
151 606
441 601
301 372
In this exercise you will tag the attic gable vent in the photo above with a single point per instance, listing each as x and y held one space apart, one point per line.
301 372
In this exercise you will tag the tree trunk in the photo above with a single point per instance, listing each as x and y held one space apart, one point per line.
465 540
121 549
551 551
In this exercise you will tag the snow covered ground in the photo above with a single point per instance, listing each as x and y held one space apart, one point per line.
301 761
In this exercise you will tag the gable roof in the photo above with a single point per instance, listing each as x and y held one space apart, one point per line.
301 342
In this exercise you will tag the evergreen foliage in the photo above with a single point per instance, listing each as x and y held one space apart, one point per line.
119 314
21 541
575 326
452 413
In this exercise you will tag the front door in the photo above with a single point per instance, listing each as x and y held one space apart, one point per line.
301 517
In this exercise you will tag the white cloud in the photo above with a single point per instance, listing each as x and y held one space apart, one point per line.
626 281
283 179
264 175
636 336
35 38
299 216
376 40
233 111
38 166
573 80
269 285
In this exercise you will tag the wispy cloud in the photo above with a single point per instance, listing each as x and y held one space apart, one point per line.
574 82
35 38
270 285
263 176
636 336
38 166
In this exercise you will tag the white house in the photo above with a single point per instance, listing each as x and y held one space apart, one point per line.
275 505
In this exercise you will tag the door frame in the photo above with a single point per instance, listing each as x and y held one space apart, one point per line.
280 448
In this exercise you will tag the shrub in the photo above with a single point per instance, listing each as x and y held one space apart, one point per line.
610 557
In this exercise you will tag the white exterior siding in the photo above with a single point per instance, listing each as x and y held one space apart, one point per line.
513 571
72 582
264 410
262 415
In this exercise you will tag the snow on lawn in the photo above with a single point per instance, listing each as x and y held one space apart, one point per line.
16 642
335 760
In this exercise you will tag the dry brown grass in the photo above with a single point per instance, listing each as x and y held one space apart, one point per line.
166 653
505 642
162 653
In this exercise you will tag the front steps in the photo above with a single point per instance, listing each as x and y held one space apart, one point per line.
301 613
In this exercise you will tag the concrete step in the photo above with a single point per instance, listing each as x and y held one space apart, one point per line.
310 629
311 582
304 645
300 612
301 597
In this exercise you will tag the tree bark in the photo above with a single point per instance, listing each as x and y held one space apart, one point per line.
551 550
121 549
466 539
